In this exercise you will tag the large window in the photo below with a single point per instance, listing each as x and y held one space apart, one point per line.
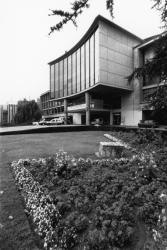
65 77
82 67
52 80
74 75
56 80
96 56
87 64
69 76
61 78
78 70
92 60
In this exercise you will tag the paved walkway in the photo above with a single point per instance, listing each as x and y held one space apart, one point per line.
39 129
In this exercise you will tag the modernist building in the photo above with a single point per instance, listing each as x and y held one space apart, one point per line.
142 53
90 80
7 113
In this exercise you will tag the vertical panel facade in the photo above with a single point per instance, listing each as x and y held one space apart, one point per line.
65 76
87 71
56 80
69 76
74 73
52 81
92 60
83 67
77 71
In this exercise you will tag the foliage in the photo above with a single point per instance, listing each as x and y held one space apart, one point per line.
76 10
79 5
156 66
99 202
158 101
161 5
27 111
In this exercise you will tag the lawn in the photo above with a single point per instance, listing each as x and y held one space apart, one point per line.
15 233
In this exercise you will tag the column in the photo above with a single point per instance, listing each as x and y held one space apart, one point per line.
87 100
65 111
111 118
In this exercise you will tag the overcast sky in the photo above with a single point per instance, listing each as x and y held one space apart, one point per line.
26 48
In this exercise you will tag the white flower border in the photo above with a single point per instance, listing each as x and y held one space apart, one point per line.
39 205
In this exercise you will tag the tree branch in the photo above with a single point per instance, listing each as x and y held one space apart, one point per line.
76 9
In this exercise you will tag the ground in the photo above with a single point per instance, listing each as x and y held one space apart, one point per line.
15 233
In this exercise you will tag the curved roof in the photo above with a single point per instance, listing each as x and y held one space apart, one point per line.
89 32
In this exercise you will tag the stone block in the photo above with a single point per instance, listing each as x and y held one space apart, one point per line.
110 149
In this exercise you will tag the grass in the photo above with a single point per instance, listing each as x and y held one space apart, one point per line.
15 234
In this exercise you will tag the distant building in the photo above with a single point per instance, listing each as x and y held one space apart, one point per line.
7 113
90 80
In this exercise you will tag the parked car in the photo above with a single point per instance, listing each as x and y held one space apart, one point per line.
43 122
97 121
56 121
147 124
35 123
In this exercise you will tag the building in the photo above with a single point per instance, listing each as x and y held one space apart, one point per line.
142 53
90 80
7 113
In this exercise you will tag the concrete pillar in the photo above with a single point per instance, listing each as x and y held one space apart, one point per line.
65 111
87 100
111 118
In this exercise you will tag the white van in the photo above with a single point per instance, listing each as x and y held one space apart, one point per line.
57 121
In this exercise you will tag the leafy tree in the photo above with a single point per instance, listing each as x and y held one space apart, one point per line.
78 6
158 101
156 68
27 111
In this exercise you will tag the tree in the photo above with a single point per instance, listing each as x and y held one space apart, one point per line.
27 111
158 102
78 6
157 65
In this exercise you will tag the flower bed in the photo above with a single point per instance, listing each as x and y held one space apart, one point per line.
92 204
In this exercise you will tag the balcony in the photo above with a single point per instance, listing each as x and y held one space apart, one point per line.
77 107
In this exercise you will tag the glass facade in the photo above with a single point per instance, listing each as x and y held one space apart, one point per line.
52 81
69 76
56 80
78 71
92 61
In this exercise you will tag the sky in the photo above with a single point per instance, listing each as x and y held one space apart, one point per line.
26 48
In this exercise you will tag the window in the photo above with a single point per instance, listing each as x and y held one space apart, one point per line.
92 61
52 81
56 80
87 65
65 77
78 70
69 76
83 67
61 78
74 75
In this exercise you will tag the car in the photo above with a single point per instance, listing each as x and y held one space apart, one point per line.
43 122
147 124
56 121
35 123
97 122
